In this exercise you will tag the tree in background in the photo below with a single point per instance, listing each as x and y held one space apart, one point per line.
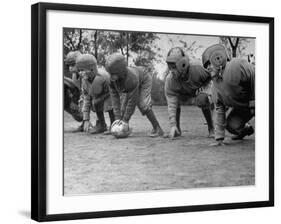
141 49
235 46
138 47
102 43
72 39
191 49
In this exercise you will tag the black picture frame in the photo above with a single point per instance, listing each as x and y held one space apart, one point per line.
39 114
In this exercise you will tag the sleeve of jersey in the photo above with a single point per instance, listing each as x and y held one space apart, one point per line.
248 71
104 93
132 99
205 76
124 100
172 101
115 98
87 100
252 86
220 121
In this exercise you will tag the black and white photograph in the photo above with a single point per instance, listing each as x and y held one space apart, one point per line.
148 111
141 112
135 112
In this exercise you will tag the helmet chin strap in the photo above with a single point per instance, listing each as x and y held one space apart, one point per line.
184 74
219 72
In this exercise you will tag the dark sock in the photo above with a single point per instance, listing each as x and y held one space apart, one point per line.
111 116
152 118
178 114
100 116
208 116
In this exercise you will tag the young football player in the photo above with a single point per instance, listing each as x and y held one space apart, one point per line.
134 85
233 89
72 94
95 91
186 80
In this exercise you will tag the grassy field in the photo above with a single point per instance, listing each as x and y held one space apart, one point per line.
101 163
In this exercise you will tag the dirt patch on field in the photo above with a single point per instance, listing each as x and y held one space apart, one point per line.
101 163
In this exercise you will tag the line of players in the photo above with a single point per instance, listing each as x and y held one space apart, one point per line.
220 83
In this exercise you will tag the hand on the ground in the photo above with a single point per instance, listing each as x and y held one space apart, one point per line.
174 132
86 126
125 123
117 122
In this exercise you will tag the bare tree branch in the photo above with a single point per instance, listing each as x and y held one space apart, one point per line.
230 41
80 39
237 41
121 43
96 44
127 45
234 47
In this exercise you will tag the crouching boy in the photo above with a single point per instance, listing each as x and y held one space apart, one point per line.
95 91
134 84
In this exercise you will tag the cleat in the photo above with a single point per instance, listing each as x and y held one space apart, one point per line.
158 132
98 128
247 131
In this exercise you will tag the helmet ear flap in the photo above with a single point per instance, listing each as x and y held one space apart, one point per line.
218 58
182 64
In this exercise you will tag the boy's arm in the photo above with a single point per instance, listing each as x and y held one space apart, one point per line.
115 98
172 101
131 102
248 81
124 101
87 100
252 87
220 121
104 95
